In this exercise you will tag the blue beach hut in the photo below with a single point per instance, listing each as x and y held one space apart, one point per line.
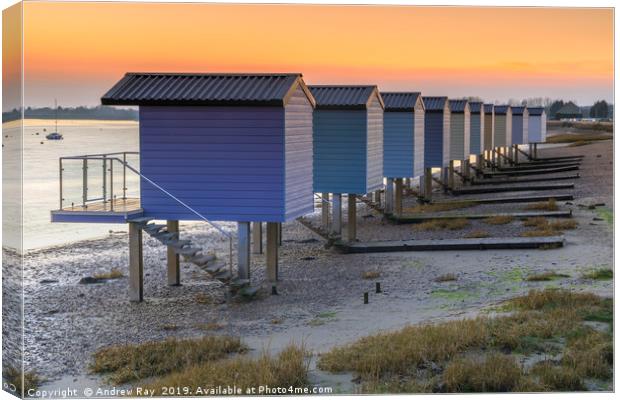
436 132
213 147
489 126
537 124
503 126
519 125
459 129
348 144
476 134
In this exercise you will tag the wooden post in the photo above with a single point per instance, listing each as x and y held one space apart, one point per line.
243 250
516 154
325 210
465 170
451 175
398 196
257 238
174 262
136 263
480 161
530 151
271 252
389 196
336 214
352 218
279 233
407 183
377 198
536 151
428 184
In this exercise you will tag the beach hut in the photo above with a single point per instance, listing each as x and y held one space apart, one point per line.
348 146
537 125
476 127
519 125
459 129
213 147
436 132
403 142
489 126
503 127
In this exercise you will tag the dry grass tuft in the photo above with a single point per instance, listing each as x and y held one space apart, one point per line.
545 276
288 369
538 222
439 207
466 355
477 234
550 205
446 278
12 375
540 232
209 326
499 220
573 138
580 143
441 224
114 273
371 274
546 228
127 363
563 225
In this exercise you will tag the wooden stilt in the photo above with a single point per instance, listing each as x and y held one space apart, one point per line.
271 252
535 151
257 238
465 170
351 218
398 196
336 214
451 174
136 263
243 250
377 195
173 259
279 234
389 196
516 153
428 184
325 211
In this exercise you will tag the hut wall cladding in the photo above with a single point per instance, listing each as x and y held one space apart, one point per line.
476 135
340 151
459 134
537 127
503 129
298 155
398 146
437 137
225 162
489 127
374 145
418 134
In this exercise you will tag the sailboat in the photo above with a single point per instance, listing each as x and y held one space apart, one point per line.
55 135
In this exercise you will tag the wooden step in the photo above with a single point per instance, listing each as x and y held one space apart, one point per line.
532 171
202 259
166 237
508 181
188 251
248 291
512 199
140 221
498 189
223 276
180 243
214 267
153 228
239 283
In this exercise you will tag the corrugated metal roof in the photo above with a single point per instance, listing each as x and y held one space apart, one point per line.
400 101
488 108
458 106
434 103
517 110
200 89
535 110
342 97
501 109
475 106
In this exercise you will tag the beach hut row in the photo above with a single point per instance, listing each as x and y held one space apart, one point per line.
255 148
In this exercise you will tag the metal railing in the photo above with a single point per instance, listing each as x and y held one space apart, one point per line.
107 190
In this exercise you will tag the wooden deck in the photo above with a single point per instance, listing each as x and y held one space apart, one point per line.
119 206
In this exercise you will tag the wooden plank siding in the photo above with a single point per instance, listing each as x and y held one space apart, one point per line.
225 162
436 138
517 129
298 155
398 146
503 129
340 151
418 141
374 145
477 129
489 130
459 134
537 128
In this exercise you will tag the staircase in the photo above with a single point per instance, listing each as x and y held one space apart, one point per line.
207 261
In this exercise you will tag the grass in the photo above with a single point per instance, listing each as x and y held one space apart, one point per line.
446 278
580 143
322 318
545 276
583 137
287 369
114 273
499 220
543 227
127 363
13 375
209 326
540 233
371 274
598 274
606 214
443 224
563 225
487 354
439 207
549 205
537 222
477 234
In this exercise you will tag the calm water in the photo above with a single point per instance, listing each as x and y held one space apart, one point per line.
41 177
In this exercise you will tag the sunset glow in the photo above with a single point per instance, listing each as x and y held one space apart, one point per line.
76 51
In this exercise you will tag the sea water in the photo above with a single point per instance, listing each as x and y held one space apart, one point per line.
40 170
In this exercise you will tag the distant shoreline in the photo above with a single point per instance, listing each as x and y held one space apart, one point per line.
66 122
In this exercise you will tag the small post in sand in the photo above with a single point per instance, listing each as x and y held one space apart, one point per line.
136 263
451 175
398 196
173 259
336 214
257 238
428 184
389 196
351 218
325 210
243 250
271 252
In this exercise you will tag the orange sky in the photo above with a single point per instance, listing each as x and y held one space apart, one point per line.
75 52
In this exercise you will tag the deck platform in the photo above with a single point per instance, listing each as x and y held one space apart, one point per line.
508 181
416 219
512 199
118 211
515 188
